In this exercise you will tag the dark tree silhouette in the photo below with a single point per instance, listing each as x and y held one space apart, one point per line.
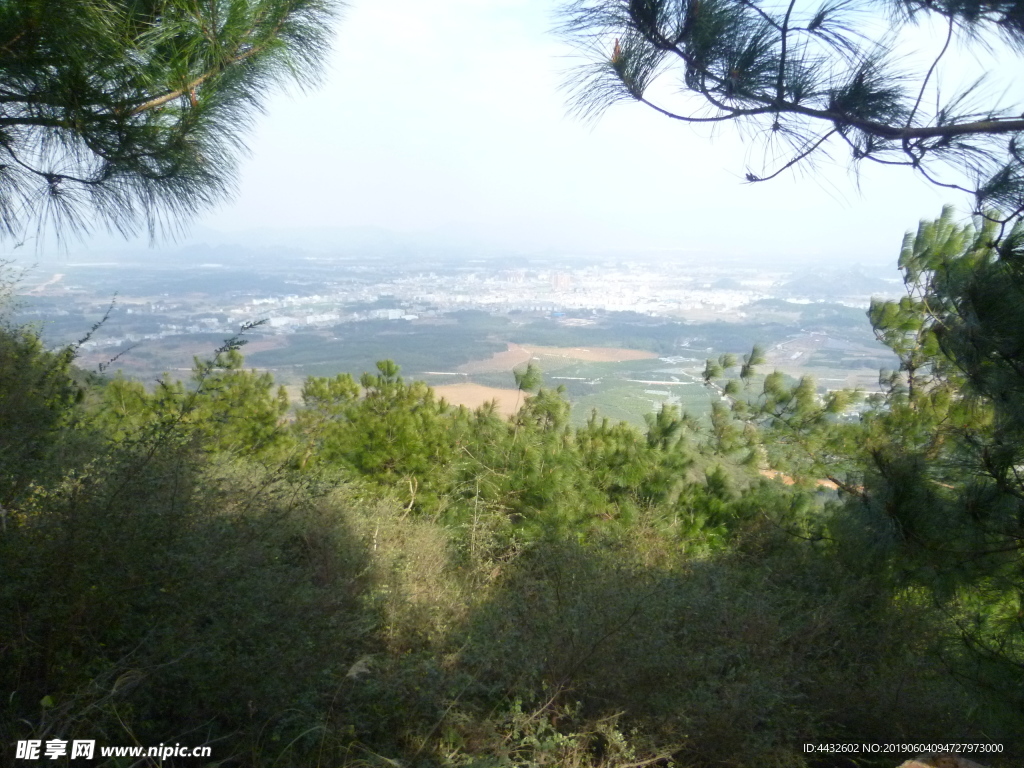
130 112
809 77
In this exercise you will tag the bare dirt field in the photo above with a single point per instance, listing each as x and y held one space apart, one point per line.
475 395
519 354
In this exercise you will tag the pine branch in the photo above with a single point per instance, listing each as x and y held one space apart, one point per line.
747 61
80 122
159 101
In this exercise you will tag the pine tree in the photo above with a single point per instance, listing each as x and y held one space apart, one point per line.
38 395
942 485
930 471
811 78
130 112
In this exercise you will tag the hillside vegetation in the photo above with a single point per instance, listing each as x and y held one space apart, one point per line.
379 578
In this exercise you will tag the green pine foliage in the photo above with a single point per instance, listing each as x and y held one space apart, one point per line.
224 408
928 471
809 79
131 113
37 399
945 477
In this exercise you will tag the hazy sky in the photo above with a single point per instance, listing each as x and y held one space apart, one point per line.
447 117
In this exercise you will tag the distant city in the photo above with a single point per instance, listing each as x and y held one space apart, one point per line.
321 314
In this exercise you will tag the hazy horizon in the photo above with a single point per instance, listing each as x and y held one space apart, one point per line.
377 243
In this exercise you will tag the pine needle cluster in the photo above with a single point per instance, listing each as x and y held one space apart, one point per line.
131 112
811 79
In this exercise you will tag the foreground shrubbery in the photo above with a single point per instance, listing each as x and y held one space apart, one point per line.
286 623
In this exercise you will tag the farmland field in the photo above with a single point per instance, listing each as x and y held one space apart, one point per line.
623 365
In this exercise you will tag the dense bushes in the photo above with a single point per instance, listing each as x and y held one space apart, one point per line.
148 598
